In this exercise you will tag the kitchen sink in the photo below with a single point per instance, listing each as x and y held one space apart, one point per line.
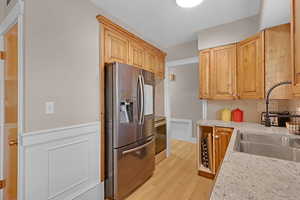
275 146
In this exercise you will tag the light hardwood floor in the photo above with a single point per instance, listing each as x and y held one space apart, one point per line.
176 178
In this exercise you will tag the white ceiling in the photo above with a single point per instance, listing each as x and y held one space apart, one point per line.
165 24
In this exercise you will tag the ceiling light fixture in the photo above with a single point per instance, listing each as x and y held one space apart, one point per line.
188 3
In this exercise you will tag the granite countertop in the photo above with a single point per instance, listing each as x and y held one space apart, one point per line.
244 176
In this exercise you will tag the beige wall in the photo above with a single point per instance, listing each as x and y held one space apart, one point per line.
61 62
185 103
4 9
273 14
182 51
228 33
183 91
2 4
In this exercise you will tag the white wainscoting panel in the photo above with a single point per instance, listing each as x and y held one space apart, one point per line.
182 129
63 163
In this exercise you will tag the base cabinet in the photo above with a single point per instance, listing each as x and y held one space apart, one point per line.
212 146
220 143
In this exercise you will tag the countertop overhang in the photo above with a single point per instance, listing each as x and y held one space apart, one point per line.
245 176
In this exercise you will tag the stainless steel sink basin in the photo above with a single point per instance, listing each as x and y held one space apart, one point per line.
275 146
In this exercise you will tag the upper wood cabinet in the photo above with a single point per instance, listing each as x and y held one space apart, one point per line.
278 60
247 70
160 69
223 67
217 70
205 74
119 45
137 55
250 65
116 47
150 60
295 34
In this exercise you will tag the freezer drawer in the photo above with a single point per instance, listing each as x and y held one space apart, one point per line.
134 164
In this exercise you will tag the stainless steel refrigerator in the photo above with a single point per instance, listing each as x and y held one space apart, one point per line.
129 129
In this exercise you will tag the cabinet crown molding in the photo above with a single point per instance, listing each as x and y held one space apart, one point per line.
110 24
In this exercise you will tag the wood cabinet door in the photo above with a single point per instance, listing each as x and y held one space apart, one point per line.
223 76
205 73
251 67
150 60
116 47
137 55
295 34
278 60
221 139
160 67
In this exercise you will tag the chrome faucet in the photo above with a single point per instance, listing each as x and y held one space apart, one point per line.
267 120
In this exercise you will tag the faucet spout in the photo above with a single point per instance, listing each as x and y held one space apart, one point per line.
267 120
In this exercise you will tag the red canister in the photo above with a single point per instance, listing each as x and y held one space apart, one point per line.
237 115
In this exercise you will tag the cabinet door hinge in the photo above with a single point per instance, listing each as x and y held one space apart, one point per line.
2 55
2 184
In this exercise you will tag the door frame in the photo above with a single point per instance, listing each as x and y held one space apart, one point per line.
167 98
15 16
167 110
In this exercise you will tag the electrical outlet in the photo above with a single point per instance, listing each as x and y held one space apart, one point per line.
49 108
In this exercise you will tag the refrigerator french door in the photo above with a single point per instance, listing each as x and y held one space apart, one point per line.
129 129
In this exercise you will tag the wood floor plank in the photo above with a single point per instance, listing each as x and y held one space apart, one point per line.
176 177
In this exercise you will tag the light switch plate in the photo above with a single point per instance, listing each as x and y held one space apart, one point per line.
49 108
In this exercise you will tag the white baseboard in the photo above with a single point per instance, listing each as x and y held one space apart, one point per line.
182 129
62 163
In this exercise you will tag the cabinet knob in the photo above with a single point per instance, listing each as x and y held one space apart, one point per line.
13 143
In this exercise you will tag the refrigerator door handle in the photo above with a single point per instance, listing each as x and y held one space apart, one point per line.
138 148
139 98
143 100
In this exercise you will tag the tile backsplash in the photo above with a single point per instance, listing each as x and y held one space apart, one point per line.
294 106
252 108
